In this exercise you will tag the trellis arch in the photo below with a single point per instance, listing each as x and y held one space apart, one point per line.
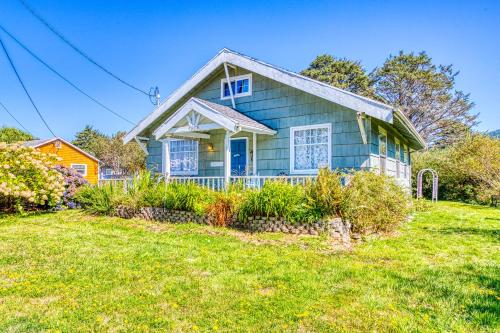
435 180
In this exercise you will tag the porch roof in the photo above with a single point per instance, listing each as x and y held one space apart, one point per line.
199 115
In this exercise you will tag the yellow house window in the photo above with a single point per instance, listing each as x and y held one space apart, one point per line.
80 168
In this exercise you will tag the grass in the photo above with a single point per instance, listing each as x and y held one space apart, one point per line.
72 272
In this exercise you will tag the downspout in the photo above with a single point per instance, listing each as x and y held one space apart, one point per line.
229 85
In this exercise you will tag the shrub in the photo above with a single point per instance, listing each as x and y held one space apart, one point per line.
73 181
27 178
325 193
99 200
421 205
144 190
279 199
224 205
188 197
374 203
468 171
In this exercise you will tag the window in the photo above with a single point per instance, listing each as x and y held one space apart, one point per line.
57 144
382 149
397 155
183 157
241 85
310 148
108 172
80 168
405 160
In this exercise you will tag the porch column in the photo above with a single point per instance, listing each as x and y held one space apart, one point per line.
227 157
166 158
254 155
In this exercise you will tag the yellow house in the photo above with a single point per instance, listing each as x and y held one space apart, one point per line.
72 156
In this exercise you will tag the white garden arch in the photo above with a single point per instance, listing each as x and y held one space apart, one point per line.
435 180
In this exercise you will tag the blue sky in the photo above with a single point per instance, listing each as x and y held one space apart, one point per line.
163 43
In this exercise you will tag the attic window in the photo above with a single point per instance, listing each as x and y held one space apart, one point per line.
57 144
241 85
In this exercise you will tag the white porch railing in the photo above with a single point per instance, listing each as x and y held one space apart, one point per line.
217 183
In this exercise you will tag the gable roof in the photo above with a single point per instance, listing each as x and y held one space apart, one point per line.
221 115
350 100
43 142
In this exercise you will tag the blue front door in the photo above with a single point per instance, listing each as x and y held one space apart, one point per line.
239 157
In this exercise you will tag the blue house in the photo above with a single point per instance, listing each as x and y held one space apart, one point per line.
238 117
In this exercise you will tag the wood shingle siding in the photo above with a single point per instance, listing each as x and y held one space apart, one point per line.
279 107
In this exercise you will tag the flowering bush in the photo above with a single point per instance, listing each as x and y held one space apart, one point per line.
72 180
27 178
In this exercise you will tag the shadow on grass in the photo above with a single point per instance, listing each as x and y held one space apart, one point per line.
478 306
483 232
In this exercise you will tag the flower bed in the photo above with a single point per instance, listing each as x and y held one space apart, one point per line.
372 203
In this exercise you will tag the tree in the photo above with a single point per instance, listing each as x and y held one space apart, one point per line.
469 169
426 94
87 139
12 135
341 73
122 158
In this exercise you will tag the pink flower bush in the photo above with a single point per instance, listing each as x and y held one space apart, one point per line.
27 177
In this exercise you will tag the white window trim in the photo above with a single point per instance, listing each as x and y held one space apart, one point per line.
247 150
397 143
381 131
406 154
236 78
80 164
328 126
180 173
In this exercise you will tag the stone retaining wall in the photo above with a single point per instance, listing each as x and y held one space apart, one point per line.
336 227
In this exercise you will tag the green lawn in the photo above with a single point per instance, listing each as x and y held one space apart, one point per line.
72 272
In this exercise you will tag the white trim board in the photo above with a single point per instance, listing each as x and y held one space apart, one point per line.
355 102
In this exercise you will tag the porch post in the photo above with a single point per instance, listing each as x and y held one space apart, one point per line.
166 158
254 155
227 157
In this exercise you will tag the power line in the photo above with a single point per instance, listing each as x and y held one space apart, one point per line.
63 77
24 87
76 49
10 114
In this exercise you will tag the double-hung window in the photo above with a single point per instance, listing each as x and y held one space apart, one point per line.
80 168
397 155
382 149
241 85
405 160
183 157
310 148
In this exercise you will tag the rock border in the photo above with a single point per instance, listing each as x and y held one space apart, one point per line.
336 228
